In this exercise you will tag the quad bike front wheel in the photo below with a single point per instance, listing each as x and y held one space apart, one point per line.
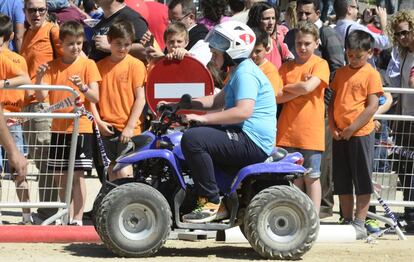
281 223
134 220
101 195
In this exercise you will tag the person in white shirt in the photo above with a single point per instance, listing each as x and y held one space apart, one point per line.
347 13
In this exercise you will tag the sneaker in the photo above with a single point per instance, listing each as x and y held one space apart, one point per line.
343 221
74 224
26 223
372 226
203 213
361 232
222 212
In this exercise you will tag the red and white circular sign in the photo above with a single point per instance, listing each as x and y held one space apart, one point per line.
169 80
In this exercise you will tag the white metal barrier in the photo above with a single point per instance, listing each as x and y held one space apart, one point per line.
393 160
37 170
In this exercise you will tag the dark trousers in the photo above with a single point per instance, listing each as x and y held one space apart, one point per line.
404 167
207 146
327 200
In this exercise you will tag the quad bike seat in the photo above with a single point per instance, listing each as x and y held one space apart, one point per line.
141 141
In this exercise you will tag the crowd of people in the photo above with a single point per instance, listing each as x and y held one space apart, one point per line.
325 61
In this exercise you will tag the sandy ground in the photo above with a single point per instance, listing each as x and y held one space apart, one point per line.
384 249
208 250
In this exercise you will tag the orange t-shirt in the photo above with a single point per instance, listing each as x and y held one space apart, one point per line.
12 100
117 90
352 87
273 75
59 74
301 123
36 46
7 68
37 49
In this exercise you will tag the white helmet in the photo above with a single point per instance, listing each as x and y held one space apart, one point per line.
232 37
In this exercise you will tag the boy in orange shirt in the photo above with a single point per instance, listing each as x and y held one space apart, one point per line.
80 73
301 124
357 88
12 100
122 96
176 38
13 66
258 56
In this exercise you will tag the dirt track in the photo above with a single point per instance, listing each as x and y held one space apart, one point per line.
389 247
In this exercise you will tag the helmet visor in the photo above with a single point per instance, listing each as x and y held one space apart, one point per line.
217 41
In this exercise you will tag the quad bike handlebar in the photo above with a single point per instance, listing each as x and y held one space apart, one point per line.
169 116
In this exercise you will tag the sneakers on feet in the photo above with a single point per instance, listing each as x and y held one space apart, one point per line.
361 232
26 223
203 213
74 224
372 226
343 221
222 212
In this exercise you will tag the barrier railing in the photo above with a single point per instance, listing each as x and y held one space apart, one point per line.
393 161
37 192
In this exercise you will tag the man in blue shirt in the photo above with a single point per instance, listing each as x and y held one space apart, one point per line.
14 10
347 14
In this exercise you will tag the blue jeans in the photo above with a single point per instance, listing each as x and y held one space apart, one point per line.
312 159
17 134
381 164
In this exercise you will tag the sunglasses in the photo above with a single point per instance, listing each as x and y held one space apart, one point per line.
180 19
41 10
404 33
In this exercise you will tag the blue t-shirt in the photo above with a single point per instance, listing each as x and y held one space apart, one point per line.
249 82
14 10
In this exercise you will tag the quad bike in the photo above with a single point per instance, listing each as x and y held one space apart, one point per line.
134 216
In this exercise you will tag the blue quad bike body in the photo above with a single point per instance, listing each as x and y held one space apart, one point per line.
134 216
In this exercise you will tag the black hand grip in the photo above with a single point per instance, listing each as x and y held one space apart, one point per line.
194 123
164 107
185 102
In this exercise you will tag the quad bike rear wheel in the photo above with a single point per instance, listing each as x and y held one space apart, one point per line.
281 223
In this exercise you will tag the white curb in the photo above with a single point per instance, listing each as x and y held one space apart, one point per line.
327 234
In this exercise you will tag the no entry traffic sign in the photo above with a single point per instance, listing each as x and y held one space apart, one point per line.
170 79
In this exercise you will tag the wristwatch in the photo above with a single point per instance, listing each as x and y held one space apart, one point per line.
84 89
6 83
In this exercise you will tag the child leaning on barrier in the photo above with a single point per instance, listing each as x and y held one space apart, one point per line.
122 98
381 164
301 125
80 73
13 72
357 88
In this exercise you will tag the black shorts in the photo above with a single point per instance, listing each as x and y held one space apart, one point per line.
352 163
60 148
